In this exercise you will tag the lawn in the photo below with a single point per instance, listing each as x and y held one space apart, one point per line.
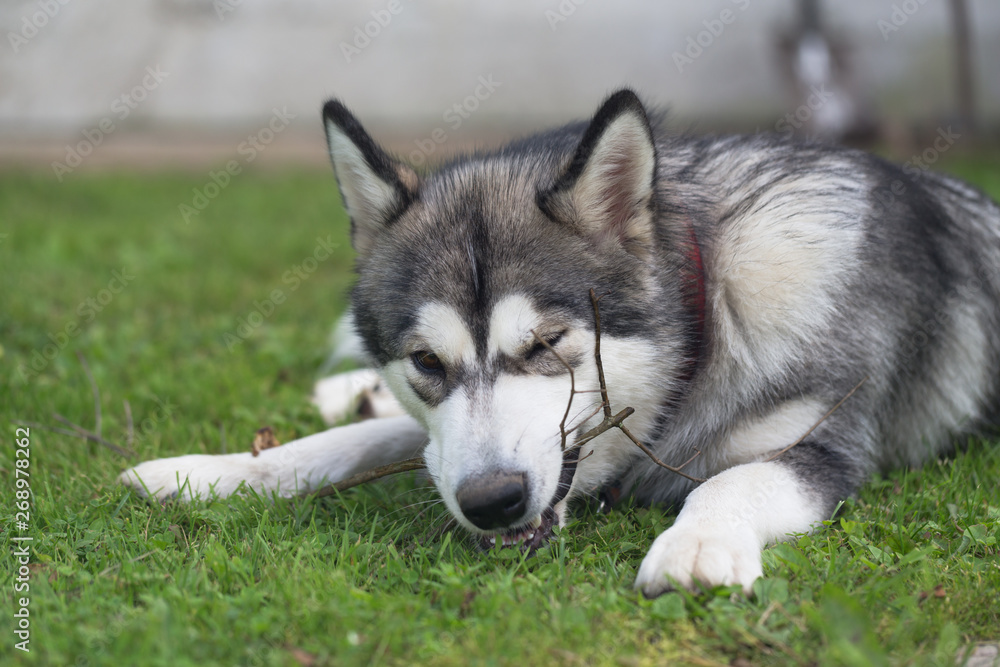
211 327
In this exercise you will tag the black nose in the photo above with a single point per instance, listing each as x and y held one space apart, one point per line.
494 500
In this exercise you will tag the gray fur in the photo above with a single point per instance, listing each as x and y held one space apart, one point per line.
818 267
901 303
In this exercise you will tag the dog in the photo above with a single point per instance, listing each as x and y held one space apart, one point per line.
746 286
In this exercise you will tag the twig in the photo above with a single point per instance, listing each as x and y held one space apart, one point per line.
94 390
367 476
130 433
652 457
606 425
54 429
617 421
81 432
821 420
563 433
597 353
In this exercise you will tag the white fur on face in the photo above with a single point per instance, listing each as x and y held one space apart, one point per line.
513 423
511 323
511 426
631 374
441 330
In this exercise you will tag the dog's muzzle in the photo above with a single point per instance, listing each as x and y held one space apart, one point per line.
497 502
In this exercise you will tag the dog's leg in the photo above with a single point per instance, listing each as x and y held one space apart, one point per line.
718 535
360 393
301 465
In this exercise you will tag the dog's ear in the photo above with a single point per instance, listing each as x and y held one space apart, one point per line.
375 188
606 192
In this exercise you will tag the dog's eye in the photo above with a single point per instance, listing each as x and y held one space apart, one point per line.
552 340
428 362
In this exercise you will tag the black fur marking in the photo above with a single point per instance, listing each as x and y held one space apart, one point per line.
379 161
622 102
824 472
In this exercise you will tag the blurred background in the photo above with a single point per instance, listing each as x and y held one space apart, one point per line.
147 83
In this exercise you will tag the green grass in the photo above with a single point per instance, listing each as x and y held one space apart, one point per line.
909 575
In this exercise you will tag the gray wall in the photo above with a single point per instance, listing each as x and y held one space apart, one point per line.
225 65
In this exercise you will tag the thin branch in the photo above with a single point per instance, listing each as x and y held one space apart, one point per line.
652 457
572 387
618 420
586 419
130 433
46 427
94 390
821 420
367 476
606 425
597 353
81 432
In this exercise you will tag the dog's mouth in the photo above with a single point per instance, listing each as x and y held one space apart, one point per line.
531 536
536 533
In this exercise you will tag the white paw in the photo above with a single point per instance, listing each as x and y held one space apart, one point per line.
194 476
359 393
688 554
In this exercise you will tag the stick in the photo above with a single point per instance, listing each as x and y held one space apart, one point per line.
572 387
821 420
367 476
597 352
618 420
94 390
81 432
130 433
652 457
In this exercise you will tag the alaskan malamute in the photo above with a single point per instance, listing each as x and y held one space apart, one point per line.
747 284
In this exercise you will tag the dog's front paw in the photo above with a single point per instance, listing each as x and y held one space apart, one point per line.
689 555
360 393
194 476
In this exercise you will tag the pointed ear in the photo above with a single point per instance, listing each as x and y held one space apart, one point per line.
606 192
375 188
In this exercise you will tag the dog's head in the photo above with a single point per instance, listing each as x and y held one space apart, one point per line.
464 272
